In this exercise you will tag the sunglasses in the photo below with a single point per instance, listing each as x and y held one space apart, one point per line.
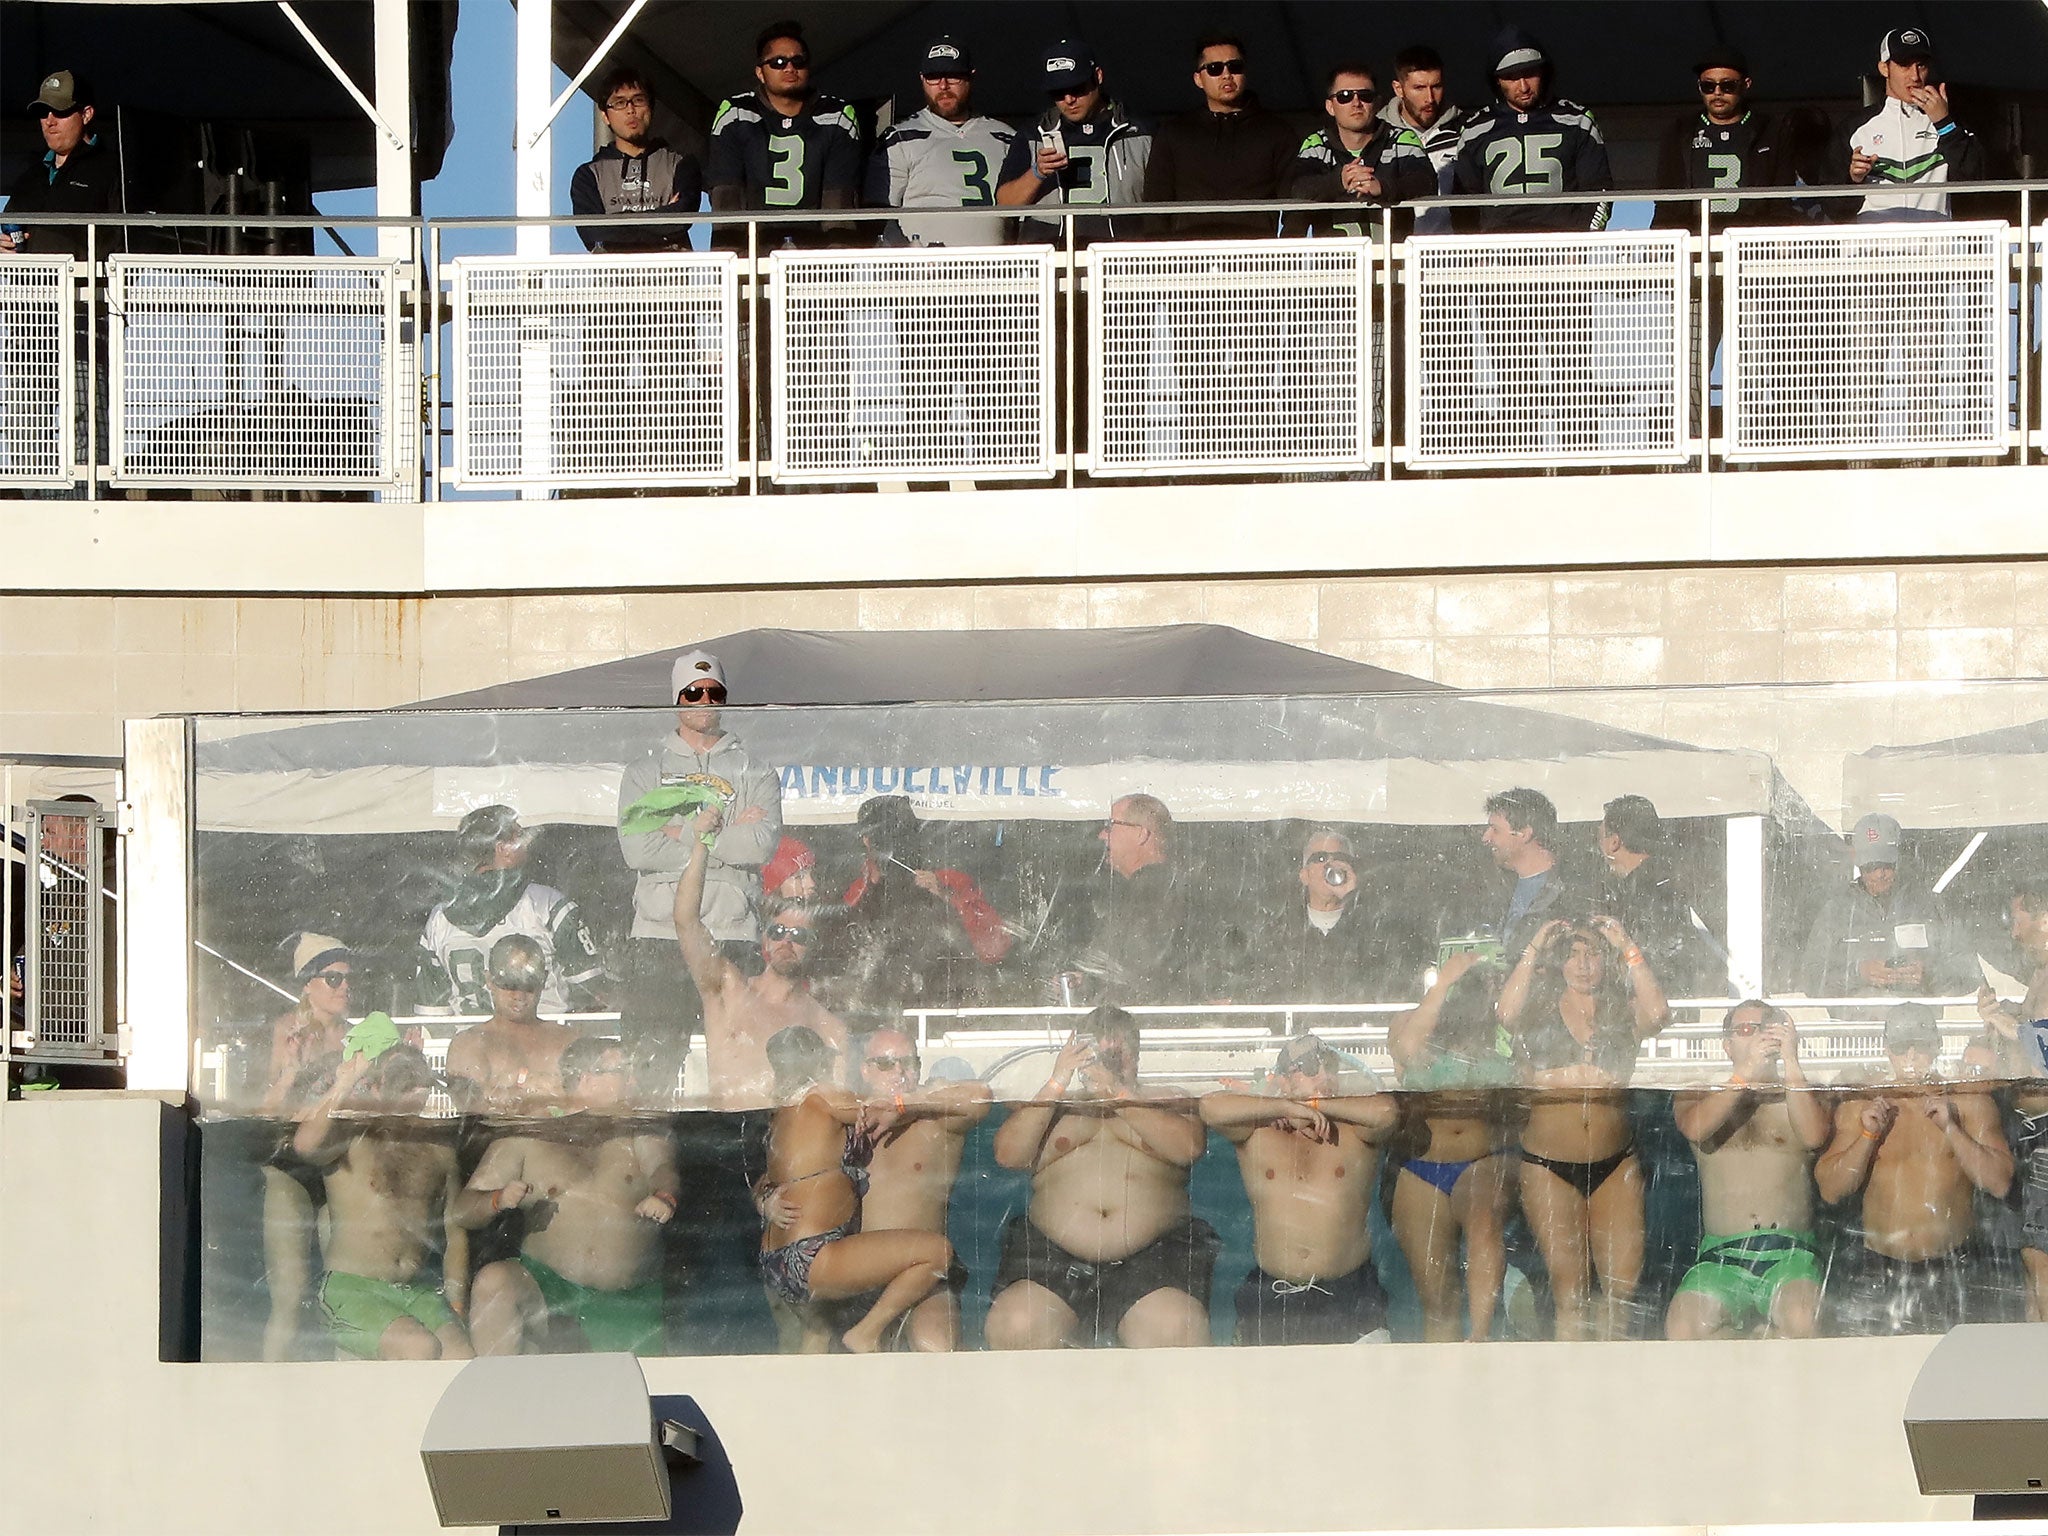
787 61
1344 98
703 693
1748 1027
334 978
516 983
1720 87
893 1063
1329 857
786 932
42 112
1217 67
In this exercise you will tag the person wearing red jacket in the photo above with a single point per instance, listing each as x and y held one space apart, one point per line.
891 834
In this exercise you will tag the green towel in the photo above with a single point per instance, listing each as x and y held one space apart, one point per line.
371 1038
655 809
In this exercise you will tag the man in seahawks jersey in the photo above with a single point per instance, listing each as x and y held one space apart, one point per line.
496 898
1531 143
1909 139
1420 105
1355 158
942 157
783 146
1727 143
1084 151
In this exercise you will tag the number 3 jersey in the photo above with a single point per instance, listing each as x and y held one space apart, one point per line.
1699 152
1554 147
926 162
778 162
485 908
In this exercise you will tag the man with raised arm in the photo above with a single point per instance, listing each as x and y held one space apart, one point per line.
1754 1137
1308 1158
1916 1149
1108 1250
597 1188
390 1183
741 1012
507 1064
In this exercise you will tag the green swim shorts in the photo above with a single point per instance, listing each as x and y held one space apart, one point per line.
1744 1272
358 1310
611 1320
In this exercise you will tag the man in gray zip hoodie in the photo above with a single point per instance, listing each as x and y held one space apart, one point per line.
661 1007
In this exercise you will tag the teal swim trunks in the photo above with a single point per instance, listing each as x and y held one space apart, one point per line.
1745 1272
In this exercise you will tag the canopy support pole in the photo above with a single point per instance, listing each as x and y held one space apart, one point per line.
395 189
1745 928
602 52
392 137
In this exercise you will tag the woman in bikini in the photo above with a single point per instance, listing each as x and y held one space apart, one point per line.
1580 1002
812 1247
1448 1050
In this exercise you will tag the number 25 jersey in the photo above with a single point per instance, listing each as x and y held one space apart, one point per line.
1554 147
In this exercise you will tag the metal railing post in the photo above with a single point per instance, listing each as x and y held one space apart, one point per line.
754 357
91 403
1073 310
1704 354
2024 354
432 358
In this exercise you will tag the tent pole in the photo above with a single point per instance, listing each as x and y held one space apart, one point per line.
1745 928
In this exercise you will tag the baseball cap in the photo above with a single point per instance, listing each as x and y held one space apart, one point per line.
1911 1024
1902 45
1068 66
62 91
889 823
1875 840
946 56
484 828
695 667
1720 56
791 856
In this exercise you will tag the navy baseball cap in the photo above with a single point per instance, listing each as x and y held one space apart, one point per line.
1902 45
945 56
1068 66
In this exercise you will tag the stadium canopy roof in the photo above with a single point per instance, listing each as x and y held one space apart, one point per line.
1235 728
1993 778
232 61
1609 52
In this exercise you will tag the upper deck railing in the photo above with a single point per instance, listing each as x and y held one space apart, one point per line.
1381 355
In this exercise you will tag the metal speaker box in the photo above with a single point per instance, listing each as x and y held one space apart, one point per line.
1977 1417
541 1439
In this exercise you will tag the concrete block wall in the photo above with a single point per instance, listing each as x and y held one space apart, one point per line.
72 667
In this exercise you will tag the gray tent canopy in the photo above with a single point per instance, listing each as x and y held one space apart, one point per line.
1996 778
1033 724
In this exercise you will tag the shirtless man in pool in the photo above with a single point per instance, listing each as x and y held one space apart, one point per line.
1308 1158
1108 1250
1754 1137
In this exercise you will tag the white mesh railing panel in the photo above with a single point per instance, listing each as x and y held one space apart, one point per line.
38 383
1867 341
911 364
1541 350
594 371
254 371
1231 355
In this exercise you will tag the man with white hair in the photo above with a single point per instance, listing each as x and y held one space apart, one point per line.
699 762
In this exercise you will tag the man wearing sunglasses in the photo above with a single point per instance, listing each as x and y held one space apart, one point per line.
1356 158
1085 150
635 173
508 1064
1529 142
1307 1151
1229 150
783 146
1754 1137
944 156
1727 143
744 1008
1333 946
74 175
660 1007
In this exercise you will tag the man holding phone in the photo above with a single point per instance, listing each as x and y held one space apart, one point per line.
1874 937
1084 151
